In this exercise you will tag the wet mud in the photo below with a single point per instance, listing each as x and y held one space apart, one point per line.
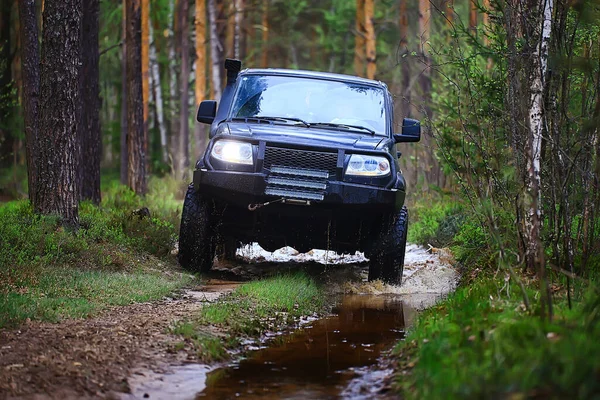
321 359
340 356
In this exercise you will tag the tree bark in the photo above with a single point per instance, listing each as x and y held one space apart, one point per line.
173 82
184 129
200 80
473 15
136 170
405 61
124 117
237 33
90 134
30 59
57 189
360 39
146 73
215 49
371 51
158 99
264 60
6 137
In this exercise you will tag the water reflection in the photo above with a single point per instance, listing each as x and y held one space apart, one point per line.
319 360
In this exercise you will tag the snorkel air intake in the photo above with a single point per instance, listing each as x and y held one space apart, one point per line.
233 68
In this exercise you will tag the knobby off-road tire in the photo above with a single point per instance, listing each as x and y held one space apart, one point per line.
196 237
387 257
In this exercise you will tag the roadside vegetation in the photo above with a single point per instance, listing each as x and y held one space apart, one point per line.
251 310
120 254
483 341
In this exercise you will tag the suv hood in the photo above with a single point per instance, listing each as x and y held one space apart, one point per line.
310 136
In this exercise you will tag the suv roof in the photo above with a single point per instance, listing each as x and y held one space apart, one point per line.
313 74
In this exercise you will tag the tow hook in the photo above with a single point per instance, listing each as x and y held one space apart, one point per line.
254 207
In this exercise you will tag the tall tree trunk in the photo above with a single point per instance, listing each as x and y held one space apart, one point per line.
91 139
360 39
136 171
429 164
215 49
371 51
184 125
124 117
538 85
146 74
30 58
230 30
200 80
237 33
264 60
57 189
404 60
473 15
6 137
173 82
158 99
449 13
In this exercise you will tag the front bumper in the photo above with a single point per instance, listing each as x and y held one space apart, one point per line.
243 188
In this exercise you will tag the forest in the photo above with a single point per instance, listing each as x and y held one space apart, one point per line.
99 140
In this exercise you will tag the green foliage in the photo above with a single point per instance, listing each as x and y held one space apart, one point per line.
47 272
434 222
209 348
501 350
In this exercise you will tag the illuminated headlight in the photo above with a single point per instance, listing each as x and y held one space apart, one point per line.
364 165
233 152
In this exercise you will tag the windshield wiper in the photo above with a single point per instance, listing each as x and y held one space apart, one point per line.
333 125
275 119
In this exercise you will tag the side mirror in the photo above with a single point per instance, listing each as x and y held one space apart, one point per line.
411 131
207 111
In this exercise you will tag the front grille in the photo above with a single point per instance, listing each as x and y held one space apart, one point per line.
297 183
302 159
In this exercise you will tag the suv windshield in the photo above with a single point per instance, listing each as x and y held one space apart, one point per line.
314 101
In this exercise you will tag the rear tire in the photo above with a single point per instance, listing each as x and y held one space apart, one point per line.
196 236
387 256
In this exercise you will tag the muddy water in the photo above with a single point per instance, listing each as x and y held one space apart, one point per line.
322 359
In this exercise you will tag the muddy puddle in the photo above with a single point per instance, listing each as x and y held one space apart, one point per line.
340 356
321 359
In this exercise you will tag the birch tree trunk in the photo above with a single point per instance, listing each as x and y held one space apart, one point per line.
534 254
215 49
30 59
57 190
158 99
136 171
173 83
237 34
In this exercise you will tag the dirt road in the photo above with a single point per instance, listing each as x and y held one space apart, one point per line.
96 358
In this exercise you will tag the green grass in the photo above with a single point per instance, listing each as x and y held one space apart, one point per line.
480 343
252 309
114 258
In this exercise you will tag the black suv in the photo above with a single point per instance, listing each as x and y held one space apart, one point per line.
300 159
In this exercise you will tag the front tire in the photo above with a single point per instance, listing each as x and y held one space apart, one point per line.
196 236
387 257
